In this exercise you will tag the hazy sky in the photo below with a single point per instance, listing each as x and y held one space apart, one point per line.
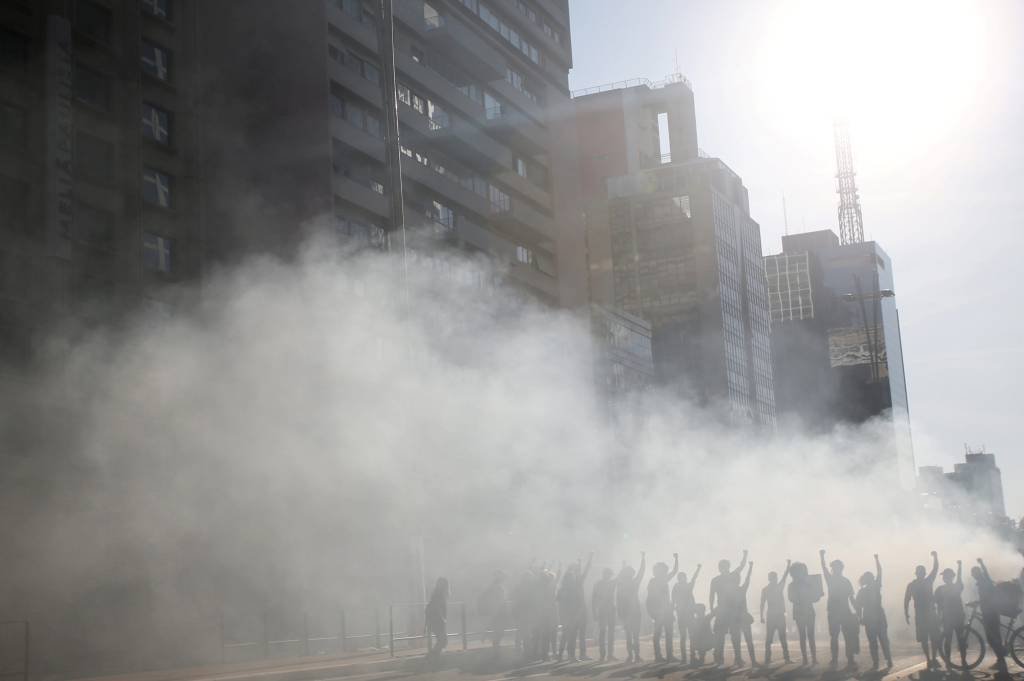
934 93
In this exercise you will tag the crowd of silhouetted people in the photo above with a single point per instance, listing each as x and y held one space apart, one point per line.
549 612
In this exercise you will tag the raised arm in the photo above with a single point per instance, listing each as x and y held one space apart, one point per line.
746 582
960 572
984 570
878 571
675 566
824 568
643 568
711 596
590 559
743 563
696 573
785 575
764 600
935 566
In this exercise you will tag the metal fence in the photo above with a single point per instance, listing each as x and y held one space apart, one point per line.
310 638
15 639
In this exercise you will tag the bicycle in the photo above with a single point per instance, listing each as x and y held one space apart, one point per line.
970 642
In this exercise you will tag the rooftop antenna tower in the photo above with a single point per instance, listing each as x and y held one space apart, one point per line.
851 222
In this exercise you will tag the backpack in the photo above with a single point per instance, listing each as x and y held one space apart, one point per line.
1007 598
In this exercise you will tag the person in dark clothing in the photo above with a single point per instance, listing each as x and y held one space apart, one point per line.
436 619
581 585
520 609
922 592
684 603
659 607
745 619
949 604
493 605
841 618
774 602
804 592
723 603
703 637
627 602
570 605
602 604
872 615
990 613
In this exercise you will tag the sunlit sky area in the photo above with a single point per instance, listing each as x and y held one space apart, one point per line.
934 94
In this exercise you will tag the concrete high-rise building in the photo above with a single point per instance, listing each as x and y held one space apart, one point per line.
485 121
973 490
99 198
670 239
836 345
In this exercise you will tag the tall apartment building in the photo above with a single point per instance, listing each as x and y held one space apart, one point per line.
835 303
98 191
483 110
973 490
671 240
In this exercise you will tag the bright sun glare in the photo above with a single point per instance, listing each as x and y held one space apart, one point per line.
902 72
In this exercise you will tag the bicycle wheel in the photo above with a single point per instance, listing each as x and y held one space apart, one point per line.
1015 646
967 650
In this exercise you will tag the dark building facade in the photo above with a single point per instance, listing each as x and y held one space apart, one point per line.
98 159
671 240
973 490
623 360
836 302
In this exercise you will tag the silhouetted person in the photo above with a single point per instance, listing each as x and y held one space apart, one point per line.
543 615
922 592
436 618
804 592
723 603
493 605
602 604
872 615
840 605
581 585
520 609
773 613
570 606
990 613
627 602
950 606
685 606
659 607
703 635
745 619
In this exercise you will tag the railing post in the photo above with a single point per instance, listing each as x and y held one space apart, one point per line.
391 630
266 633
376 627
465 634
341 633
305 634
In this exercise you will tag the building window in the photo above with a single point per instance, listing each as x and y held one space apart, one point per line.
157 252
442 214
525 256
158 8
521 168
93 20
156 188
683 204
91 87
492 106
156 61
156 124
94 157
13 126
431 17
500 201
14 50
93 226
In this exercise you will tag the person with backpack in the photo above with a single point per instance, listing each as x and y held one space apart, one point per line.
683 601
872 615
436 619
922 592
804 591
659 607
773 600
993 606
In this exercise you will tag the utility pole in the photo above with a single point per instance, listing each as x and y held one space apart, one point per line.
392 144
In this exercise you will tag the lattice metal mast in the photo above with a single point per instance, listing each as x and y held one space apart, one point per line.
851 222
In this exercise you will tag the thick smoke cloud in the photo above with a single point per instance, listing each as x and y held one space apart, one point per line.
343 430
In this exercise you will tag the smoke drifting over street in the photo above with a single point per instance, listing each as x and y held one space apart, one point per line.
305 427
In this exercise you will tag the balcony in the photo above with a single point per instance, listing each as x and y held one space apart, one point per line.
439 85
471 144
362 196
364 34
462 43
484 239
523 186
525 221
354 82
535 32
444 186
533 278
518 129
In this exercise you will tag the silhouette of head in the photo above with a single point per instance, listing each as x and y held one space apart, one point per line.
441 587
837 567
773 577
682 577
608 573
627 572
920 571
948 575
798 570
976 572
867 579
723 566
660 569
